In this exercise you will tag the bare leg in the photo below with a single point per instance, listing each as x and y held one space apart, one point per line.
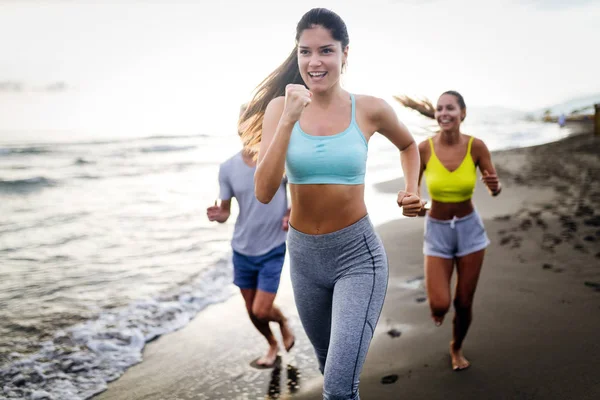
262 326
265 309
438 273
468 270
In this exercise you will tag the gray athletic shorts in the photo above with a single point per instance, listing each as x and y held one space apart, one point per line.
456 237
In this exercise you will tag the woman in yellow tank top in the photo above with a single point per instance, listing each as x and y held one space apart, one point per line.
454 232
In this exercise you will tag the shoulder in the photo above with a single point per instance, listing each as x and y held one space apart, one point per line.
424 146
479 149
424 151
228 164
273 112
371 106
276 105
477 145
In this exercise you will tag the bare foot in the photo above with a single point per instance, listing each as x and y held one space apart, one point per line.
268 360
288 336
437 320
459 362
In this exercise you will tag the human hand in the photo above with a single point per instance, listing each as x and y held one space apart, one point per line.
297 97
285 223
411 203
423 211
216 213
492 183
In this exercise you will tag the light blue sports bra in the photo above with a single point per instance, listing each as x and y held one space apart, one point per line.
335 159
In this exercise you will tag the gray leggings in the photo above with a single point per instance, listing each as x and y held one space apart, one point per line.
339 282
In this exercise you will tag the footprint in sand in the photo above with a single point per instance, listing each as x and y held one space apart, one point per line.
589 238
562 189
584 211
511 239
386 380
547 266
568 223
525 224
519 180
394 333
541 223
593 285
594 221
580 247
566 235
549 241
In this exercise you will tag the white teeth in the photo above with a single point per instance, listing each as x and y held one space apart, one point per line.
316 74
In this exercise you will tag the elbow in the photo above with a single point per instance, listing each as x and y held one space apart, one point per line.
264 189
262 196
411 146
262 192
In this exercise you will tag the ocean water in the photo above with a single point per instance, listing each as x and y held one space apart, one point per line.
104 246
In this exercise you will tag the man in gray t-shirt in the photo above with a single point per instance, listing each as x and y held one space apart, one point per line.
259 227
258 247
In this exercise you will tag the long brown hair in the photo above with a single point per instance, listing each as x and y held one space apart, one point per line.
424 105
251 122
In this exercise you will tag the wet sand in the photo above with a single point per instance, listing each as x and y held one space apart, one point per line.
536 312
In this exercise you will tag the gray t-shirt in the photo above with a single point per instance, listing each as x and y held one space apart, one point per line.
258 226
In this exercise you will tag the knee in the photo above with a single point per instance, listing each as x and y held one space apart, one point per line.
462 304
260 313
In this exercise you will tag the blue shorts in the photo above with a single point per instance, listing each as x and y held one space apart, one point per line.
456 237
259 272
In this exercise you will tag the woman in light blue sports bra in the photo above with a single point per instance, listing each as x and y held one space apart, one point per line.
302 122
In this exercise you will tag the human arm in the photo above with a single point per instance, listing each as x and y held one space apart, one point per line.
423 155
488 172
279 119
221 213
285 221
388 125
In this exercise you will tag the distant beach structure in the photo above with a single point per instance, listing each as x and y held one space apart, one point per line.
597 119
562 120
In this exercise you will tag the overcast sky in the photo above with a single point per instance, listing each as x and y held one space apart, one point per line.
175 66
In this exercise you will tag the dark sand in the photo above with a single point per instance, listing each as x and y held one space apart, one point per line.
536 328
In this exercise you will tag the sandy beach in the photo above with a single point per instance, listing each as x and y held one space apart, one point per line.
536 315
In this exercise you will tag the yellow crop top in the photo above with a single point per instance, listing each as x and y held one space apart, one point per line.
450 187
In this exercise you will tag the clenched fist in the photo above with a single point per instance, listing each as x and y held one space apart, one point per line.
411 203
297 97
492 183
216 213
